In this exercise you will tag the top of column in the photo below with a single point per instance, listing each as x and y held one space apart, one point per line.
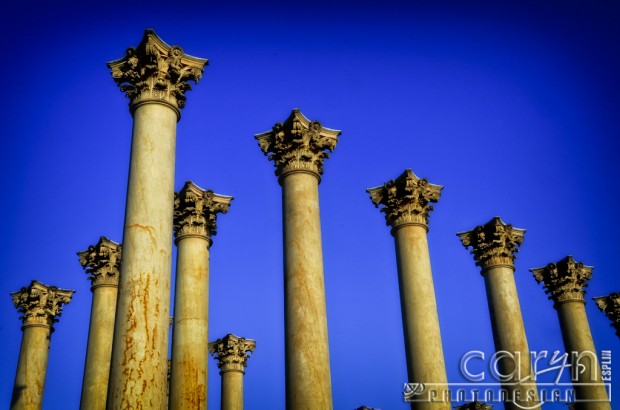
298 145
565 280
40 304
406 200
156 72
610 305
493 244
102 262
232 352
195 211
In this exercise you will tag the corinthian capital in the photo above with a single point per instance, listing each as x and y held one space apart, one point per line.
406 199
494 243
564 281
155 71
195 211
102 262
298 144
39 304
232 352
610 305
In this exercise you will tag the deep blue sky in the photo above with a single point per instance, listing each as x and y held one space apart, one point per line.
512 107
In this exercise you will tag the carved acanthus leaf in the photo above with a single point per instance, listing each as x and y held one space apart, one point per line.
610 305
40 304
232 352
494 243
195 211
406 199
156 71
565 280
298 144
102 262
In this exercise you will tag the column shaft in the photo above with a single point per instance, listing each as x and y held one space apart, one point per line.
423 346
31 368
509 333
232 390
578 338
190 342
138 375
308 379
99 349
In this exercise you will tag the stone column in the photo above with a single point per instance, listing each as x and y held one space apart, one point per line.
298 147
102 263
155 77
195 212
406 204
565 283
232 353
610 305
494 246
474 405
40 306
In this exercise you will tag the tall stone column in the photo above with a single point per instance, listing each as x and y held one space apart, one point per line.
195 214
232 353
40 306
406 202
565 282
298 147
494 246
154 77
610 305
102 263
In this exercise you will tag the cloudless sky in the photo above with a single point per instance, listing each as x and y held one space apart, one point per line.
512 106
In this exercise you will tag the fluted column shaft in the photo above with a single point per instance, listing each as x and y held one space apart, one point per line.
232 390
154 77
406 202
577 337
102 263
494 246
190 334
99 348
423 346
509 335
232 353
140 350
194 223
40 305
298 148
308 377
31 368
565 282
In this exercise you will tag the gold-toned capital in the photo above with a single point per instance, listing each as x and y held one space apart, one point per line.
156 72
494 243
564 281
232 352
102 262
610 305
406 200
195 211
474 405
298 145
40 304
